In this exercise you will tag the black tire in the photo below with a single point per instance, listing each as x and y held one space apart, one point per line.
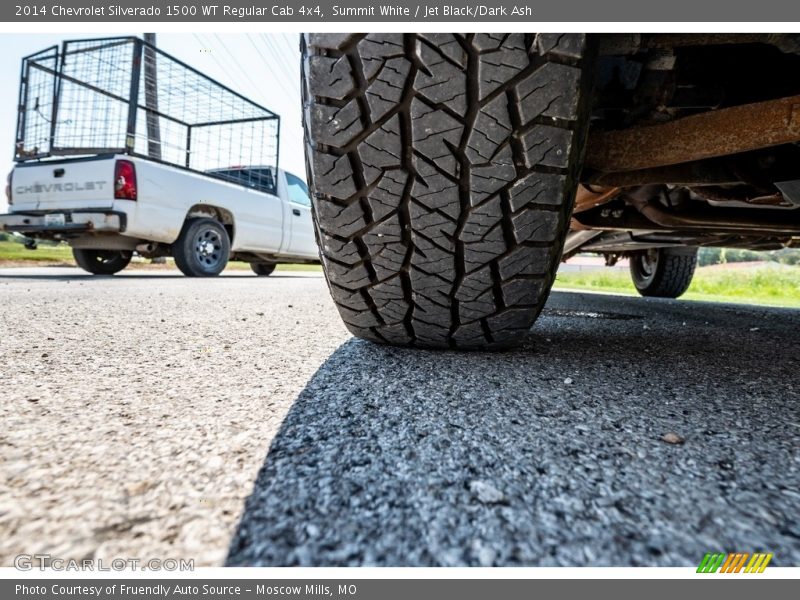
262 269
202 248
663 272
443 169
101 262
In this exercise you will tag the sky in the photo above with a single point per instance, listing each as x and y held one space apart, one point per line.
264 67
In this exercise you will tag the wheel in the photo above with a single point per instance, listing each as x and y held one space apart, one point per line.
101 262
262 269
443 169
663 272
202 248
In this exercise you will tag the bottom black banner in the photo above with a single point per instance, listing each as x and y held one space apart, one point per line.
390 589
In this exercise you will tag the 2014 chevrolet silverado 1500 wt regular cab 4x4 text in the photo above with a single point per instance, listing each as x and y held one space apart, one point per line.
113 167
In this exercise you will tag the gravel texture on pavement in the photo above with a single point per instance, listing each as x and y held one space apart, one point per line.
624 432
138 411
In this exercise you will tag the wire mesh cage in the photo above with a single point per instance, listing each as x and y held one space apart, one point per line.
123 95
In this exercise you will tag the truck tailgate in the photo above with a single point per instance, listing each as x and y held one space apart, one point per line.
64 185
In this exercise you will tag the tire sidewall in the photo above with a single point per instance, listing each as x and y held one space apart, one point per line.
641 280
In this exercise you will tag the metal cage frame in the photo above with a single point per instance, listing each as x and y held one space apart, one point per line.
59 56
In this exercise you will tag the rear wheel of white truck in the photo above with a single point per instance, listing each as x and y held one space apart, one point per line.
101 262
443 170
202 249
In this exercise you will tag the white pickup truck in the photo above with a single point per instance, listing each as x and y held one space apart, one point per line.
107 207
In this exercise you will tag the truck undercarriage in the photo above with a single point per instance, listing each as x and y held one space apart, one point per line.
693 142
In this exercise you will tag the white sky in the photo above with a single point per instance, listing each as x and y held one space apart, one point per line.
266 71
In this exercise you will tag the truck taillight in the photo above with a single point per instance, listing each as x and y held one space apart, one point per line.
8 188
124 180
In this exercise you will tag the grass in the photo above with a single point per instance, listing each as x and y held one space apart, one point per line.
15 254
772 285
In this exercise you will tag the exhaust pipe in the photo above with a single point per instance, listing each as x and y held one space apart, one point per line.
147 248
729 220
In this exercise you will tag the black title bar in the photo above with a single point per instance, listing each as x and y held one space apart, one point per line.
406 11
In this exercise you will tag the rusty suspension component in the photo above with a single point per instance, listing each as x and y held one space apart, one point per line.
586 198
630 43
707 135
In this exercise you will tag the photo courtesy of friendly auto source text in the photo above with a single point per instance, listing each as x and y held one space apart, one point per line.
323 299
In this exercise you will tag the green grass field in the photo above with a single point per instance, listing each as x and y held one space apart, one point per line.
773 285
12 253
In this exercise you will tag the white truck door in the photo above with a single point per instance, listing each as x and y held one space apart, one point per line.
302 241
259 223
259 218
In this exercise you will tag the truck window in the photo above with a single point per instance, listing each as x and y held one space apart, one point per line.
297 189
259 179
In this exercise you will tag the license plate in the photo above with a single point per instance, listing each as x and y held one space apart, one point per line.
54 220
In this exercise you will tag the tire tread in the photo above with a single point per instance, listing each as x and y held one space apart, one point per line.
443 169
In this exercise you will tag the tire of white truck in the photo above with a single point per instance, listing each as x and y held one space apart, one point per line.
443 169
202 249
262 269
101 262
663 272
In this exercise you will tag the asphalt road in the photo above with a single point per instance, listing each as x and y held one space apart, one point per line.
138 411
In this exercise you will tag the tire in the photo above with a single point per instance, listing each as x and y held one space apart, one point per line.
202 248
101 262
443 170
663 272
262 269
